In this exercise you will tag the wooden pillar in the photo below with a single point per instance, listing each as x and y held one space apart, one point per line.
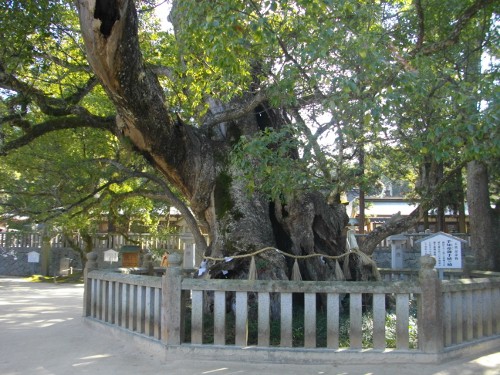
430 320
362 216
171 302
189 254
90 265
468 266
147 263
45 255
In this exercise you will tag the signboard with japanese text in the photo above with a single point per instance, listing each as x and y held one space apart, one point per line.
33 257
111 256
445 248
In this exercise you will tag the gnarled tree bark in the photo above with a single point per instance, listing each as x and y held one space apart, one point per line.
195 160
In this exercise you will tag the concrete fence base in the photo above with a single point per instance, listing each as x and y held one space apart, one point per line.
290 356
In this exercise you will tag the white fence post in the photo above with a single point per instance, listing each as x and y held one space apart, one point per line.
87 293
171 302
430 320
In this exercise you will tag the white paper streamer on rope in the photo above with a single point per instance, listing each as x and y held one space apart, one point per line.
339 275
296 276
351 247
252 271
351 242
203 268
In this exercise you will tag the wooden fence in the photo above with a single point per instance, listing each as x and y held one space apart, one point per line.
145 240
420 320
127 301
99 240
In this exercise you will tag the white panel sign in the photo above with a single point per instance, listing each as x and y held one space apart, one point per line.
33 257
445 248
111 256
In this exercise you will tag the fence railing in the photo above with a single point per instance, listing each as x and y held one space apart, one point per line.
409 274
343 323
20 239
132 302
411 239
99 240
471 308
145 240
425 316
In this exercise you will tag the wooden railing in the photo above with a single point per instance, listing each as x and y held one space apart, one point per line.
312 294
20 239
99 240
408 274
131 302
199 313
145 240
471 308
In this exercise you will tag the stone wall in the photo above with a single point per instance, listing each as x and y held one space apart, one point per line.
14 261
410 258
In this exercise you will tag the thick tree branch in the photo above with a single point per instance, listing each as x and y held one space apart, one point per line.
467 15
48 105
235 111
399 224
15 118
169 196
421 24
110 32
61 123
82 91
160 70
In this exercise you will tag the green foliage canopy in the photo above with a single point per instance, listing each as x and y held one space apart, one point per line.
380 78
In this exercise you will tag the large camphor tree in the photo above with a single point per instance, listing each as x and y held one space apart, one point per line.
257 113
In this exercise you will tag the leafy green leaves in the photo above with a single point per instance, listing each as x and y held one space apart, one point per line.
386 80
270 164
65 179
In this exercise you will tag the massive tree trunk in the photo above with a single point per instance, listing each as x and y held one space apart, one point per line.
195 159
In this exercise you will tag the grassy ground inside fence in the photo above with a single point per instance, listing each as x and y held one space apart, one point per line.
75 278
298 328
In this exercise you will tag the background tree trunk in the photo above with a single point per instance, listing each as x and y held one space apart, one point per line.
496 236
478 199
481 216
